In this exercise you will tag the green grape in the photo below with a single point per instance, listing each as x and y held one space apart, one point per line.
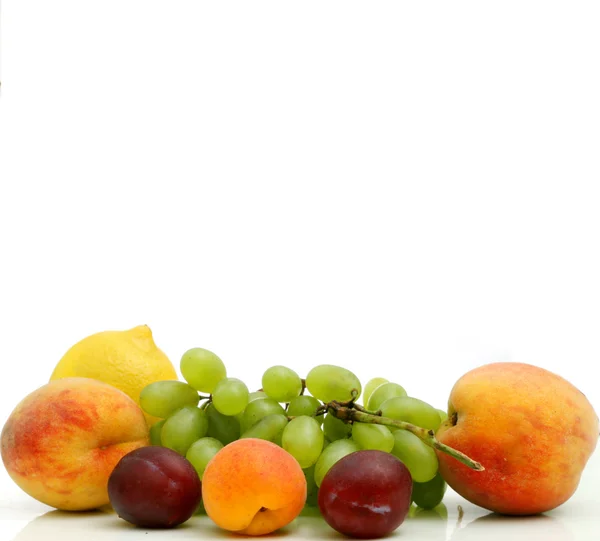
278 440
371 436
335 451
183 428
443 415
222 427
430 494
305 405
371 385
303 439
230 396
384 392
155 430
281 383
201 510
268 428
162 398
312 490
202 369
412 410
201 452
419 458
336 429
254 395
257 409
327 382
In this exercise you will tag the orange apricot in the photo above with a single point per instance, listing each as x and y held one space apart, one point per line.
253 487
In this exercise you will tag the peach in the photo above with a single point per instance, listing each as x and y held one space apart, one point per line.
532 431
61 442
253 487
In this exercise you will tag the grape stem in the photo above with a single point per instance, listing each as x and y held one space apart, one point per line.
365 410
207 403
350 412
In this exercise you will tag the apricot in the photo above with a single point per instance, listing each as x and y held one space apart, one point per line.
532 431
61 442
253 487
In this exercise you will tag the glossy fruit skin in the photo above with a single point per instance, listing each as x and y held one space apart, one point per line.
154 487
366 494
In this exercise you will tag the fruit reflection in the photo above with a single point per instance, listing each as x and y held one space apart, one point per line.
439 512
430 524
494 527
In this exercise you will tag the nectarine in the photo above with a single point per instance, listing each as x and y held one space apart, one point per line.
532 431
253 487
61 442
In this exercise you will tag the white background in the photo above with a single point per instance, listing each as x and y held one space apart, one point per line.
406 190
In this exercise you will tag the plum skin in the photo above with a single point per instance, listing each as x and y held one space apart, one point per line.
154 487
366 494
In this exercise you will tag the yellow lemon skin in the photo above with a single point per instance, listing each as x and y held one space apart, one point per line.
129 360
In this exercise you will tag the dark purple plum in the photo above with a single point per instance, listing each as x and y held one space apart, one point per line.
366 494
154 487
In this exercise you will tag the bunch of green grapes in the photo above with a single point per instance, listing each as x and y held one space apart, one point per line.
290 412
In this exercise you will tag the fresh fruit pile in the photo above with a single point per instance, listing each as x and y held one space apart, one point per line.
115 425
318 421
313 427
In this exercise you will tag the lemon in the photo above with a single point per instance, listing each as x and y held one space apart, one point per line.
128 360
